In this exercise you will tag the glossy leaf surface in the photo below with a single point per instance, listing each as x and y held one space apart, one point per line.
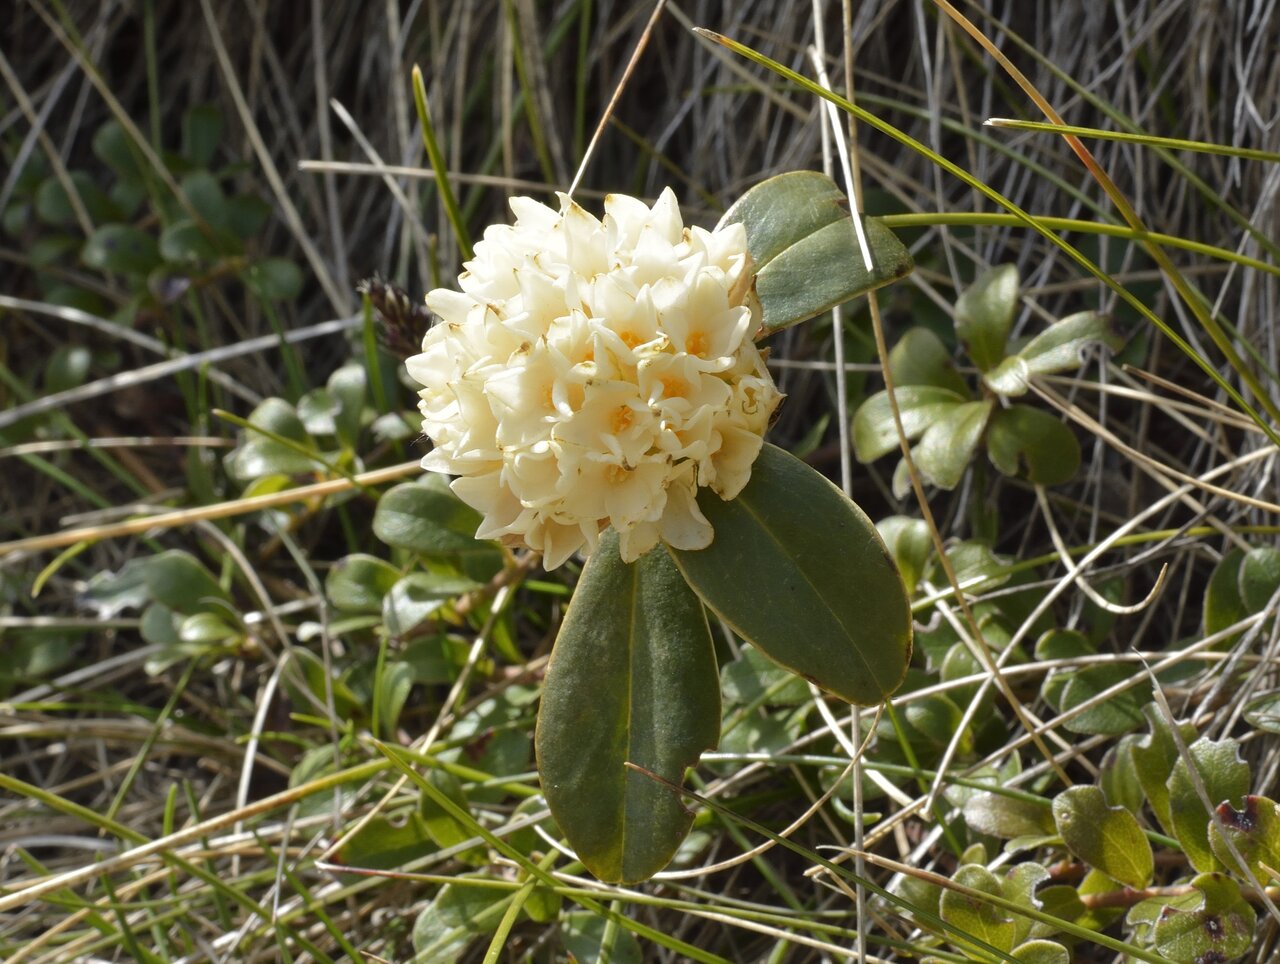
805 249
632 678
799 570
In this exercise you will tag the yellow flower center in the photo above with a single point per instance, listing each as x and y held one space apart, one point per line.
621 419
673 387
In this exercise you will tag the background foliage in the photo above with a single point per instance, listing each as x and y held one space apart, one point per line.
158 687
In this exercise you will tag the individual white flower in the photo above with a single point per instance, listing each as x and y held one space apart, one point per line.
594 373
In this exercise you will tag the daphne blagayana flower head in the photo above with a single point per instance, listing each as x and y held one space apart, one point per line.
594 373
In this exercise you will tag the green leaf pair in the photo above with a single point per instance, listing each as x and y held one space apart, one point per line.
795 568
937 409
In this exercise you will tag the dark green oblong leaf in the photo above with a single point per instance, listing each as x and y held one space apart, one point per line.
805 248
947 445
1223 604
919 406
1031 443
984 313
1259 577
800 571
632 678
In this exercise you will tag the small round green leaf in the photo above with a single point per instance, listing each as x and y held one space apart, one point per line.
632 678
418 595
185 242
975 917
113 146
1254 830
585 937
799 570
920 358
179 581
1109 839
201 131
1215 924
426 517
275 279
1041 952
357 583
204 629
984 313
1226 779
1031 443
947 445
261 455
909 543
122 248
1005 816
874 432
459 912
1056 349
54 206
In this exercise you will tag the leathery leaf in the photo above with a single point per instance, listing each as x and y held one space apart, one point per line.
632 678
800 571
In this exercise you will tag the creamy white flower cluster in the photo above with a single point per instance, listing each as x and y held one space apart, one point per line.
594 373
